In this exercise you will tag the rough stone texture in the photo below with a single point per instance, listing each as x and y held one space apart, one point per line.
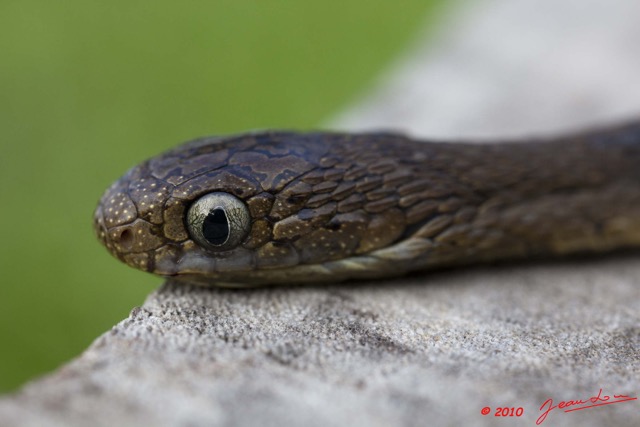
428 349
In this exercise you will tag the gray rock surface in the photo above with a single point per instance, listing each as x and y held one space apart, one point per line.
510 68
431 349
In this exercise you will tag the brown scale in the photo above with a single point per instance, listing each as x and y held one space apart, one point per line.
326 206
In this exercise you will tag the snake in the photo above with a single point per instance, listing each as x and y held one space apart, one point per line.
284 207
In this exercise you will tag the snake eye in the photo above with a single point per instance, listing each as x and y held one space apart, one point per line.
218 221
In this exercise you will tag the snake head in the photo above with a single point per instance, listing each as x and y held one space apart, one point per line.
256 208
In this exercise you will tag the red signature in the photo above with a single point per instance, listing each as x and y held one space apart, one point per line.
591 402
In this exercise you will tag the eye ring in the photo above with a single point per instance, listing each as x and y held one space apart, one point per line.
218 221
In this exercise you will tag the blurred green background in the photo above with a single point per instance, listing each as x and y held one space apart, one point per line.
88 89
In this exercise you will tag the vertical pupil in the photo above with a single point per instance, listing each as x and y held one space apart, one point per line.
216 227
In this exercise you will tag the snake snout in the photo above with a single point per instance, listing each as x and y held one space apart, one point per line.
117 240
121 240
118 226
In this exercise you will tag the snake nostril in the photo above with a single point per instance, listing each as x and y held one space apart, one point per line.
126 238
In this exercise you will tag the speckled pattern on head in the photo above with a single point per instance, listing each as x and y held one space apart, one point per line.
331 207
